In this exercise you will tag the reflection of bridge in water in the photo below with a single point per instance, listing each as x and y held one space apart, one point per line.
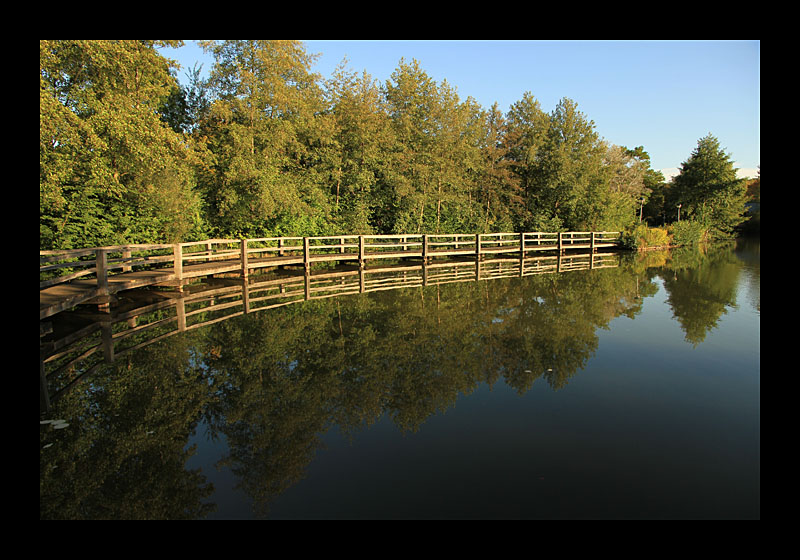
76 343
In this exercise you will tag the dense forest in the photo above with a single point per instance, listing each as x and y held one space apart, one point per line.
264 146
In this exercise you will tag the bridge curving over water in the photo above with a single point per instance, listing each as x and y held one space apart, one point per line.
94 275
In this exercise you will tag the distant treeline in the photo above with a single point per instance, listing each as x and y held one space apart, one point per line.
263 147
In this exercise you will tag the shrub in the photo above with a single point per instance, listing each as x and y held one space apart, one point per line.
688 232
643 237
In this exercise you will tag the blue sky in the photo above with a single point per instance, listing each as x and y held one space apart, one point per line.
663 95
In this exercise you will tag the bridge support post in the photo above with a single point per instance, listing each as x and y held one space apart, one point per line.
104 299
245 270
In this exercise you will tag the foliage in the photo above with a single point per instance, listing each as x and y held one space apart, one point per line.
708 189
264 147
110 169
643 237
688 232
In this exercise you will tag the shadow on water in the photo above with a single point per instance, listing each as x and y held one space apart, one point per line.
269 365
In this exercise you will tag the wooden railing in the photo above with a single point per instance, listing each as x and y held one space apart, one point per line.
102 271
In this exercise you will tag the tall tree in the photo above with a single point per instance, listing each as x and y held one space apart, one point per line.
524 139
624 192
110 169
359 158
708 190
411 98
501 196
259 125
568 172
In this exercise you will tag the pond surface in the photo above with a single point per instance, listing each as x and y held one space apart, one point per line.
627 391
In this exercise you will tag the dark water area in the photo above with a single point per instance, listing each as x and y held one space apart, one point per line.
625 389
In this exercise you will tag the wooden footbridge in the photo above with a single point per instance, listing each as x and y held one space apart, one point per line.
94 275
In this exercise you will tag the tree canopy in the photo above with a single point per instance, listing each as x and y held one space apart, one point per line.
264 146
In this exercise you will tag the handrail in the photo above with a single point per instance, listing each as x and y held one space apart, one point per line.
96 261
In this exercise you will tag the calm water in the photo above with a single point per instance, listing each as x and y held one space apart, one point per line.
625 392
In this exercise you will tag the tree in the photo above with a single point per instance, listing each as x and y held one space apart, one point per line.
259 127
501 187
626 170
359 155
524 139
708 190
568 173
110 169
411 97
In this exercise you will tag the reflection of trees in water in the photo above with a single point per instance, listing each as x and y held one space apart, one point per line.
122 455
286 377
701 283
272 382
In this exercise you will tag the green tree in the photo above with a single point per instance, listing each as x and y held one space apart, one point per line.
411 97
708 190
260 124
500 195
110 169
359 156
524 139
568 178
625 188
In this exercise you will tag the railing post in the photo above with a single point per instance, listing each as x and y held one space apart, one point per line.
361 251
244 258
126 255
592 242
478 245
101 264
560 241
522 244
177 260
306 254
424 247
281 252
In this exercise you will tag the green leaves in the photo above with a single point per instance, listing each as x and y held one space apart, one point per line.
265 146
102 143
708 189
